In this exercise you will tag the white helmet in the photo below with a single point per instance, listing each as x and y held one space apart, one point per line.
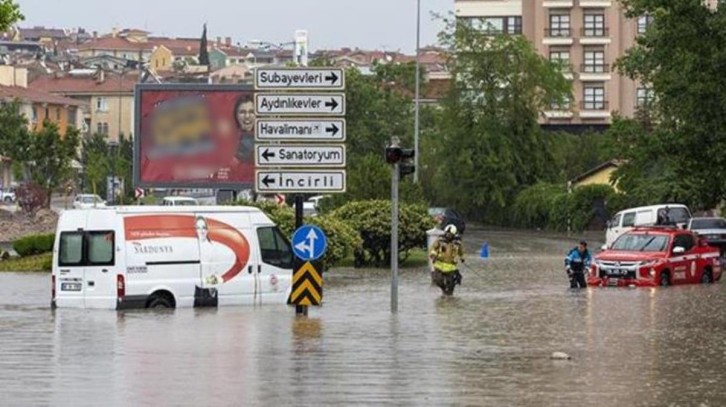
451 229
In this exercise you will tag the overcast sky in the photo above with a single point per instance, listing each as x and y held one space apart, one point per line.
381 24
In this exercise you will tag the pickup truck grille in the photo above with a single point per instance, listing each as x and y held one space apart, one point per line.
618 269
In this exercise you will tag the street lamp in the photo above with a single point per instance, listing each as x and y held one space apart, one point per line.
416 128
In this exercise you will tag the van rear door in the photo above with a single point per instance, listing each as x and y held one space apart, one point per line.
70 284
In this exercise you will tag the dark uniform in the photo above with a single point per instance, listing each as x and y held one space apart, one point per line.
577 263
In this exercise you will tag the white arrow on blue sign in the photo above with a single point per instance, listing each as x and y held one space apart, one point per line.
309 243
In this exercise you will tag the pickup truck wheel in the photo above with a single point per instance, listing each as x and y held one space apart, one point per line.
706 277
8 200
665 279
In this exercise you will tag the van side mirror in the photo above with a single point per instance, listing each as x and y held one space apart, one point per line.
679 250
608 224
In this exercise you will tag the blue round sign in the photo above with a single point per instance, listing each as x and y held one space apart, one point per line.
309 243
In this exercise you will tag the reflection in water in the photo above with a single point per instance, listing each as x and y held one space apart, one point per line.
488 345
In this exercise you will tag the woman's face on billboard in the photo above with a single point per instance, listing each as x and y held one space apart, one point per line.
246 116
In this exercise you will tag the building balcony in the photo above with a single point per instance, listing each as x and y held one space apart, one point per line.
557 36
558 114
595 3
594 109
595 73
595 36
558 3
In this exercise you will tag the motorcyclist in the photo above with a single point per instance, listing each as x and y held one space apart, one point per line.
577 262
445 253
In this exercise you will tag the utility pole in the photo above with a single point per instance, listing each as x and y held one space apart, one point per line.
417 128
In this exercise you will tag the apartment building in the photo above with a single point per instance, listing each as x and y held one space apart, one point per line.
586 37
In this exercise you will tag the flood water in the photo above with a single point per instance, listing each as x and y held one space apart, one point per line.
488 345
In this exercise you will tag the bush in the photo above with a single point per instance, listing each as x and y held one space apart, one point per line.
34 244
549 206
372 220
343 240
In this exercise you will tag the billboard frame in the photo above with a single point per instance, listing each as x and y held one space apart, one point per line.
176 87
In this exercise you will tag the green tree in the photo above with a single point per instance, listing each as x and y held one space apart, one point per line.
9 14
203 51
15 140
51 155
96 164
490 143
681 57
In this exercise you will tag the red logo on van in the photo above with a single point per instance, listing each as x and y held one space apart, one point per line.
205 229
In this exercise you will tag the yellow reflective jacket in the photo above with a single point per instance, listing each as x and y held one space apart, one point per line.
446 254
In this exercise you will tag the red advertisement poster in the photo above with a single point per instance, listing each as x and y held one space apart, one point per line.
194 136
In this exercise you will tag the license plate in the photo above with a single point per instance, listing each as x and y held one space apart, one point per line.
71 286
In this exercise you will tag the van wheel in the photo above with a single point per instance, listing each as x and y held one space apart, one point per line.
159 301
665 279
706 277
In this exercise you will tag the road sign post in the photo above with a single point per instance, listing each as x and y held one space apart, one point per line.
311 116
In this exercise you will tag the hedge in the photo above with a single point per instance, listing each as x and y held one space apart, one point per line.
34 244
343 241
372 221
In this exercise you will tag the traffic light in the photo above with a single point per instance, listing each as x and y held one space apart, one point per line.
403 157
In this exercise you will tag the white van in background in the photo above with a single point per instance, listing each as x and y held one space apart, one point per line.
156 256
624 221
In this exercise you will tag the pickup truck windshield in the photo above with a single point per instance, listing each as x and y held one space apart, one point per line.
641 243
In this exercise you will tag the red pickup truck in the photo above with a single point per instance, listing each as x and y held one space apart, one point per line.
656 256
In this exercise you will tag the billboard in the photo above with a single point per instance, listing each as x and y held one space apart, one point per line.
194 136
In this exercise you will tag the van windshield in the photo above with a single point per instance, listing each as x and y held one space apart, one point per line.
641 243
678 215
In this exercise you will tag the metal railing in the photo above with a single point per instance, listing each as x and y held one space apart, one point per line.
595 68
595 32
557 32
594 105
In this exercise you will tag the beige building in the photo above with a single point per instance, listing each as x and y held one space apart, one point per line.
109 99
586 36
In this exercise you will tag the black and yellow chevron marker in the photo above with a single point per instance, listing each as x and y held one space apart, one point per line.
307 286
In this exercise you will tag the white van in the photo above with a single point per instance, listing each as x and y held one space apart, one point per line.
155 256
626 220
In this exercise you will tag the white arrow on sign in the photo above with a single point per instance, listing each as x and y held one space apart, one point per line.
319 104
300 130
300 156
310 246
299 78
323 181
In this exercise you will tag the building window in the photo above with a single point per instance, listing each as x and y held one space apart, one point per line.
594 62
559 25
644 97
101 105
561 57
495 25
644 22
594 25
57 114
102 128
594 98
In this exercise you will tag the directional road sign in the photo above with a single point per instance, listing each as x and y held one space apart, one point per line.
309 243
320 181
317 104
300 156
299 78
300 130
